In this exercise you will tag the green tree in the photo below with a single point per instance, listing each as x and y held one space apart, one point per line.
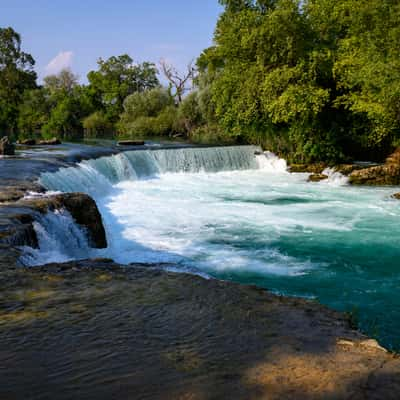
96 125
16 76
62 83
117 78
149 113
33 113
314 79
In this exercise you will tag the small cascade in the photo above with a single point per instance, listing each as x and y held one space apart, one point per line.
97 176
60 239
335 178
270 162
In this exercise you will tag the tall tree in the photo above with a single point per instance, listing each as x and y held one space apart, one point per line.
117 78
16 76
315 79
65 81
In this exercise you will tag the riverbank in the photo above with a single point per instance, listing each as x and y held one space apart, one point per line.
96 329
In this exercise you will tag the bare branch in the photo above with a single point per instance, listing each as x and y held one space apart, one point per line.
178 83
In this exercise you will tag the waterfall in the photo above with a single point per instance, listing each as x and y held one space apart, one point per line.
60 239
97 176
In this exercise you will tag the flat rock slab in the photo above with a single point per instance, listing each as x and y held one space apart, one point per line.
95 330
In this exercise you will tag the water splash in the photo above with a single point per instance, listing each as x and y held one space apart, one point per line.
60 240
270 162
335 178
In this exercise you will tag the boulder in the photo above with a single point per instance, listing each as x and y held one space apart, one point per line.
386 174
396 196
131 143
51 142
27 142
317 177
6 147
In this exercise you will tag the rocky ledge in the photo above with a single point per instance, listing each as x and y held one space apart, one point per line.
386 174
96 330
17 218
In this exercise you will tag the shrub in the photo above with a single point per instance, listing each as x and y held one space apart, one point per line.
97 125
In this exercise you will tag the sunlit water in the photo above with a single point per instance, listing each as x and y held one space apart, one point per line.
251 222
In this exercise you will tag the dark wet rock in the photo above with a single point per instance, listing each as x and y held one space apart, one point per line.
131 142
6 147
50 142
16 229
81 207
386 174
27 142
396 196
315 168
164 335
317 177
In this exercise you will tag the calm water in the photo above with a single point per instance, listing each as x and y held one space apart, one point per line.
231 215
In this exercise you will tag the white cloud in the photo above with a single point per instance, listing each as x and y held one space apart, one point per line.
60 61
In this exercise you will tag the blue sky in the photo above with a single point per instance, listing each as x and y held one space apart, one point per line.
76 33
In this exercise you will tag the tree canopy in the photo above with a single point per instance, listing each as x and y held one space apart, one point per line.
314 79
310 79
117 78
16 76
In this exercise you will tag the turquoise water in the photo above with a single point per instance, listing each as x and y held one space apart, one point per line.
252 222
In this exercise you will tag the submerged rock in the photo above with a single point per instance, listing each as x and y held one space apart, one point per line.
6 147
131 142
51 142
317 177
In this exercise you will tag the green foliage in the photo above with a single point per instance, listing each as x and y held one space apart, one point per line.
146 104
311 80
149 113
116 79
190 115
62 83
316 79
33 113
96 125
16 76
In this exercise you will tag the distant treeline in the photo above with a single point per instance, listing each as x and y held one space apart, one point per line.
312 80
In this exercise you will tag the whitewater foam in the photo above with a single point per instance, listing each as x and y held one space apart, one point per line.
60 239
231 214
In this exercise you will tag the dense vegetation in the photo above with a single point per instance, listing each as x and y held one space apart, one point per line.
313 80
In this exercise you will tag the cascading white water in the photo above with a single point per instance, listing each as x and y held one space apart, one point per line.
334 177
236 213
270 162
97 176
60 239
